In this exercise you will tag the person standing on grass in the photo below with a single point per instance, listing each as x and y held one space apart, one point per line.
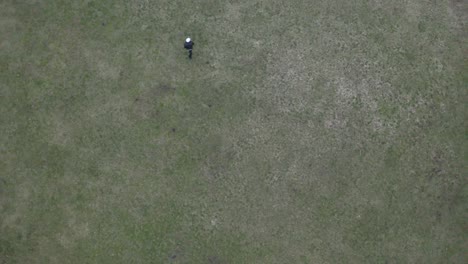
189 46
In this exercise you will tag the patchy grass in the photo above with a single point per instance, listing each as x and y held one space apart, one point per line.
301 132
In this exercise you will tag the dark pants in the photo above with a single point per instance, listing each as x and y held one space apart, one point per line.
190 53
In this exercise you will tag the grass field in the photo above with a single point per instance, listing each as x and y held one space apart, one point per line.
303 131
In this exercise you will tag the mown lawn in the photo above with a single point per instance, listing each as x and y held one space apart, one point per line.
318 131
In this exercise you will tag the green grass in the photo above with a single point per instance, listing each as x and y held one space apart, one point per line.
301 132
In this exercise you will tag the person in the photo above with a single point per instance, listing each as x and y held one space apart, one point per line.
189 46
